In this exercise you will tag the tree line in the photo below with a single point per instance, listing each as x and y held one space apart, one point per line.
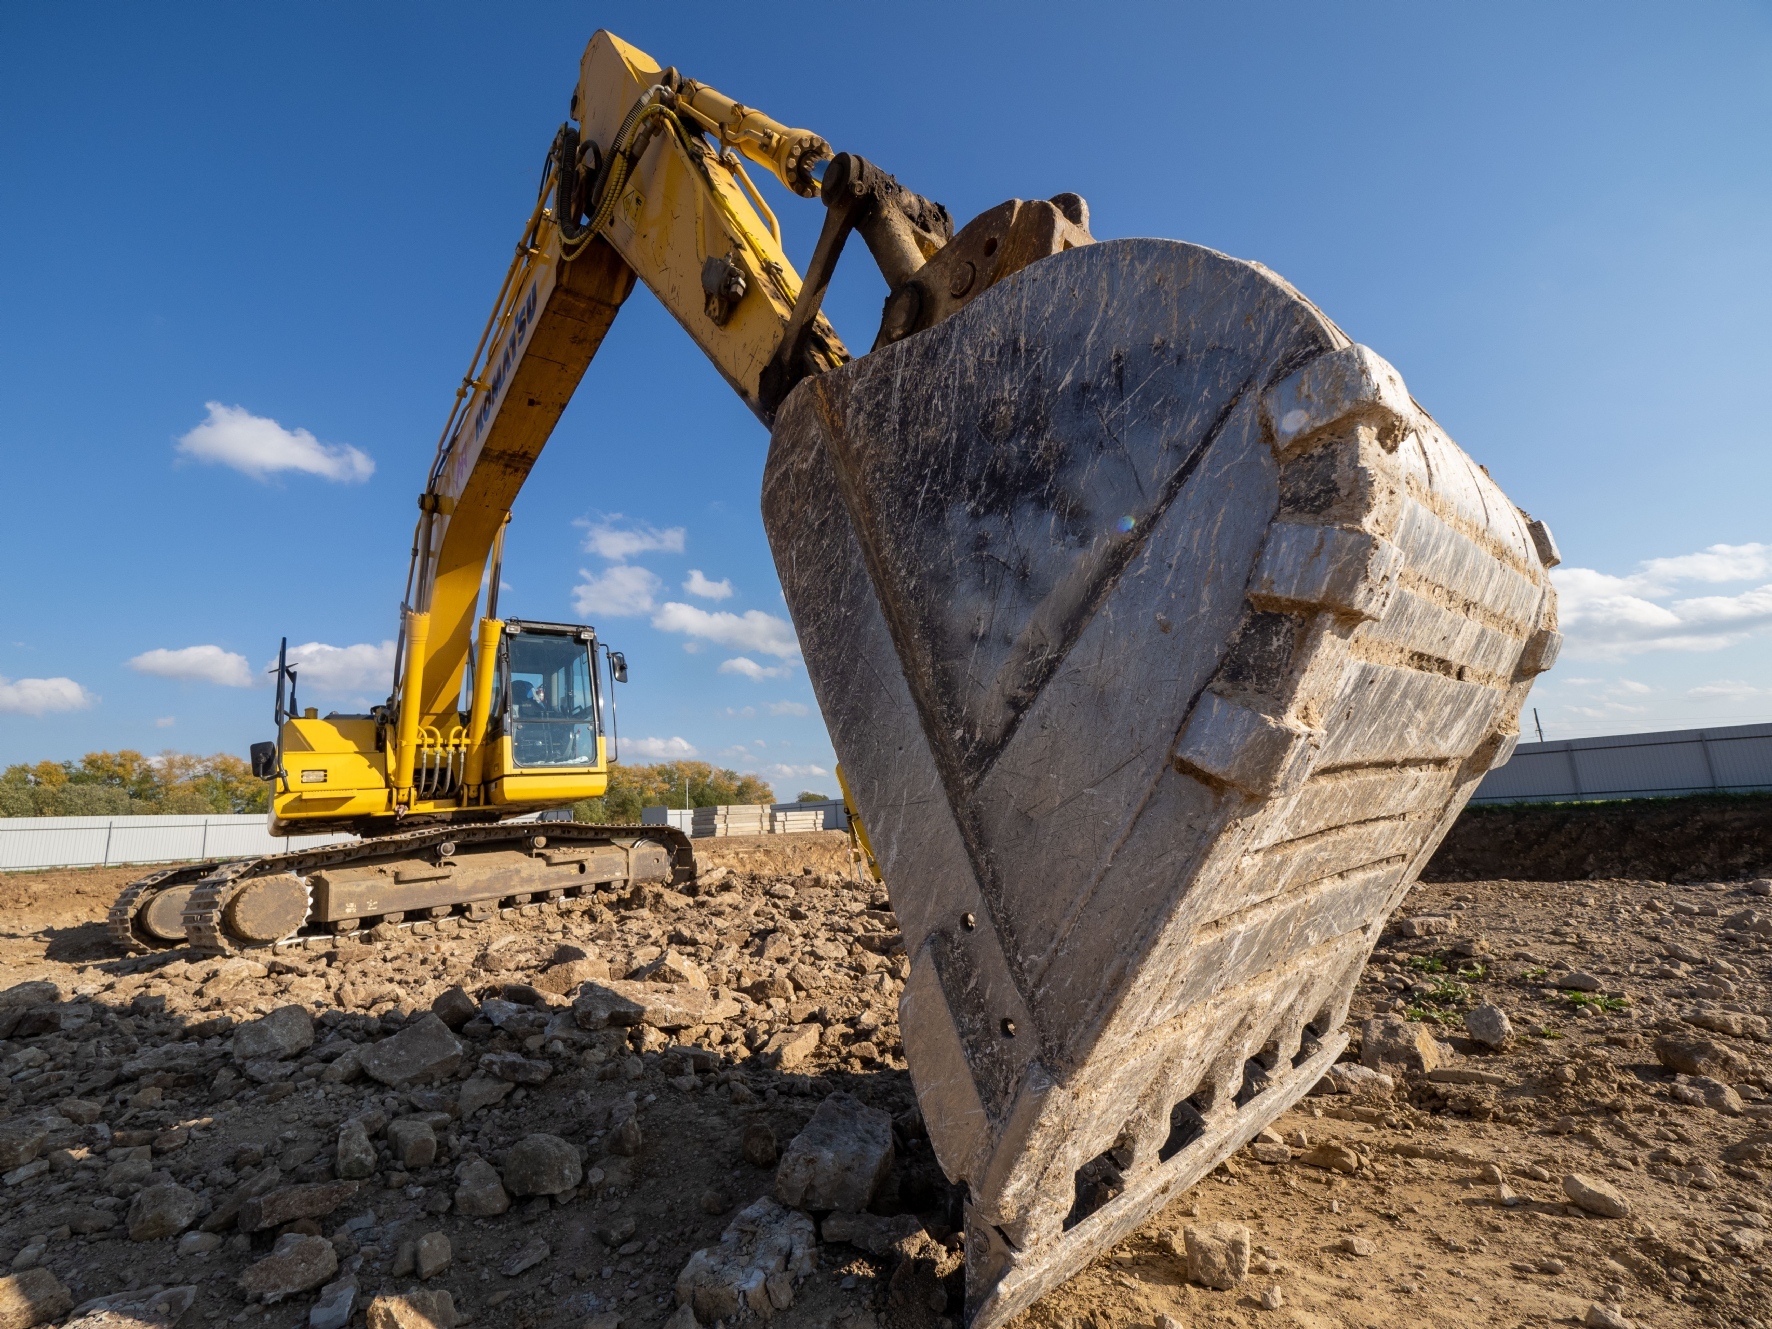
129 783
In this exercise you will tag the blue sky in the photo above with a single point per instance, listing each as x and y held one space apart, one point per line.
1552 219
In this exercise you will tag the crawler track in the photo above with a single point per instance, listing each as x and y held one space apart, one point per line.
216 882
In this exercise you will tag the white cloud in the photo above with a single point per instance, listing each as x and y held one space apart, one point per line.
708 590
233 436
658 749
200 664
166 722
749 668
343 668
616 592
1604 615
620 543
789 708
1728 689
752 630
40 696
743 714
786 772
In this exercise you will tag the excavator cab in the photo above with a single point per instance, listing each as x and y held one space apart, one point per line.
549 700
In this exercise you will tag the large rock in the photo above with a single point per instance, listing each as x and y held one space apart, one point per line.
430 1309
20 1141
1699 1056
661 1005
1595 1196
413 1142
454 1007
542 1165
672 968
515 1068
279 1035
1489 1025
1217 1254
356 1158
289 1203
479 1193
753 1268
297 1263
432 1255
332 1308
1391 1045
1349 1077
423 1050
791 1046
839 1160
479 1092
33 1297
565 976
161 1211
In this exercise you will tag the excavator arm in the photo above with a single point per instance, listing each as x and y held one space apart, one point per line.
649 182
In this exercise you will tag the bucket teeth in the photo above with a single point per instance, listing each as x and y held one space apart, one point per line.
1160 636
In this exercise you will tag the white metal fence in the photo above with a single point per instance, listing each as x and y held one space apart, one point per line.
1732 760
78 842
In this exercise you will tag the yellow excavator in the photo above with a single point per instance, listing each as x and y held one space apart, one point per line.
1160 633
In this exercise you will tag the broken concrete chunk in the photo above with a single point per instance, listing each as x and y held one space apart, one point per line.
599 1006
454 1007
297 1263
661 1005
33 1297
790 1047
564 976
423 1050
672 968
839 1160
1699 1056
763 1240
161 1211
1349 1077
332 1308
413 1142
279 1035
515 1068
1391 1044
1489 1025
1595 1196
356 1157
868 1232
432 1255
480 1092
479 1192
429 1309
1217 1254
275 1208
1427 925
542 1164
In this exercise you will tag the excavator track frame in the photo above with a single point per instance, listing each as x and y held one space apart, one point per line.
217 882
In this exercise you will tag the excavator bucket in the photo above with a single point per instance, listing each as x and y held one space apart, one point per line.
1161 636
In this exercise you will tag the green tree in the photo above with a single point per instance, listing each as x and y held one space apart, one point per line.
665 784
127 783
811 796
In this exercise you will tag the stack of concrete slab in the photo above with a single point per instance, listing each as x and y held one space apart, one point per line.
732 819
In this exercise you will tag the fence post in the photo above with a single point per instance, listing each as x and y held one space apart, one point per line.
110 825
1710 767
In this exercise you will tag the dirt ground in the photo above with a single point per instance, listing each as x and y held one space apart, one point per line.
1446 1204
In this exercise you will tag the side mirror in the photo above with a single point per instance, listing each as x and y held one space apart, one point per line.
264 761
618 665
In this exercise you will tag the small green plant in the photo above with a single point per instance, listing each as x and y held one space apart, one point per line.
1536 973
1474 970
1427 964
1597 1002
1427 1015
1547 1031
